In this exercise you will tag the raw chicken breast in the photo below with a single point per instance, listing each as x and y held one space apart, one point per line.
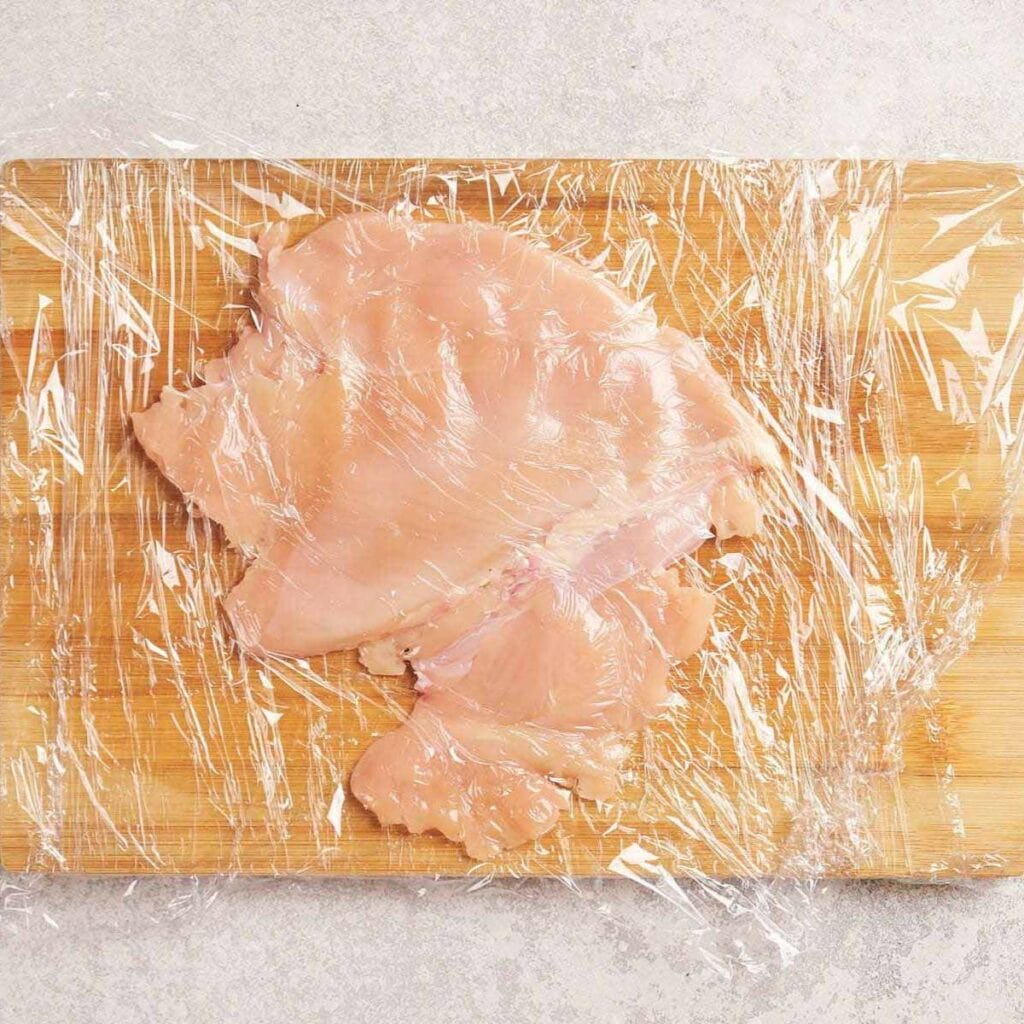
443 444
552 689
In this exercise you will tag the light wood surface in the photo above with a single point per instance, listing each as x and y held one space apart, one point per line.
117 758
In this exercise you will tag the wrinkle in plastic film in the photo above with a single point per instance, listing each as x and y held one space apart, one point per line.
865 316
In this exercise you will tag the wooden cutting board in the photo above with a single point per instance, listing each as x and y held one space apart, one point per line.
117 756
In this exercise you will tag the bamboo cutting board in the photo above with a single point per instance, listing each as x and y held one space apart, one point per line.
173 785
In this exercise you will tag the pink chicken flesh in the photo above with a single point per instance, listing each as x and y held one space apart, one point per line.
445 445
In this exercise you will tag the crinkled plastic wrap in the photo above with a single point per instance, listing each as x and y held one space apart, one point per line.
512 430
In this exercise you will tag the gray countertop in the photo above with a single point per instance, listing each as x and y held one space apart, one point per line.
353 951
464 78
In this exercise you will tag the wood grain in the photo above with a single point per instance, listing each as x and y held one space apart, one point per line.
955 802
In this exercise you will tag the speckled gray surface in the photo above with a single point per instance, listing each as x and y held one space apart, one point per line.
524 78
372 951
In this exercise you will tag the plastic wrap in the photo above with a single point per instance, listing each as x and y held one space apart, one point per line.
863 318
